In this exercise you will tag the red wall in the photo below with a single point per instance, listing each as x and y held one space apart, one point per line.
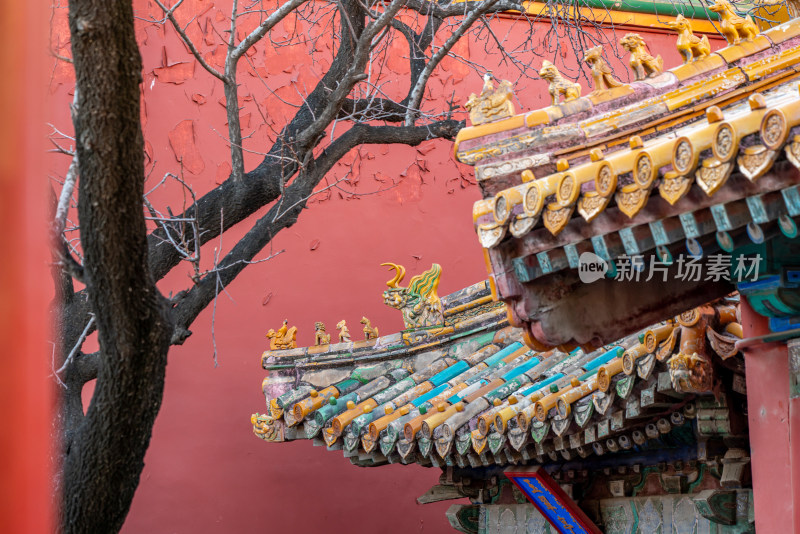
205 471
25 470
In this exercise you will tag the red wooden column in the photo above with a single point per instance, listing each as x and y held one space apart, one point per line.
24 280
774 420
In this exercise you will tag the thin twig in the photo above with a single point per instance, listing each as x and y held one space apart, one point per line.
77 346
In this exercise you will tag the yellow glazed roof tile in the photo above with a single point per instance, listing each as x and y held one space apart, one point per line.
745 48
764 67
689 141
705 88
537 117
784 32
679 97
672 123
618 119
701 66
598 97
473 132
553 114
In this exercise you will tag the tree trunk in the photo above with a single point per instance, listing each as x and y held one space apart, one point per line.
103 464
234 127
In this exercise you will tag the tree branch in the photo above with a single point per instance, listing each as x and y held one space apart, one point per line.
295 197
415 96
263 184
355 73
371 109
268 23
456 9
185 38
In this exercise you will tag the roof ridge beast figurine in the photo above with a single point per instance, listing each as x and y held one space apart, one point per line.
418 302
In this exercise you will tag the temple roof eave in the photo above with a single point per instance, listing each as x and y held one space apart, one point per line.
486 399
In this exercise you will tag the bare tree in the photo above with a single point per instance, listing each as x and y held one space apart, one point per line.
118 262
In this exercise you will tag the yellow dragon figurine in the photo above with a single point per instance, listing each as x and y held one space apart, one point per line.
419 303
735 28
370 332
492 104
321 337
642 63
558 84
690 373
344 332
690 47
266 427
601 72
284 338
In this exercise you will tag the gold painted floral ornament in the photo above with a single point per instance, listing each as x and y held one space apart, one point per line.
558 84
370 332
591 204
642 63
321 337
690 47
491 234
601 72
724 344
674 186
492 104
755 161
284 338
631 198
713 174
555 217
793 151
